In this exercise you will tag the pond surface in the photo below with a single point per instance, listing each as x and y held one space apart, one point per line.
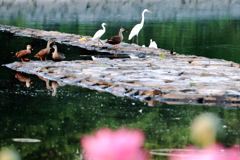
59 114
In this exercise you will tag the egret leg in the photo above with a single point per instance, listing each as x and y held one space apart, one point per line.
137 39
100 42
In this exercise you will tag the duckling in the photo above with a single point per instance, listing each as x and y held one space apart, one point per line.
116 39
23 53
44 52
56 56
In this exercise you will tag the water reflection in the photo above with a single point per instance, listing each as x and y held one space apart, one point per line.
46 81
56 85
23 77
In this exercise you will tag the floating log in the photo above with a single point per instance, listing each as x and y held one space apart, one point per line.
171 78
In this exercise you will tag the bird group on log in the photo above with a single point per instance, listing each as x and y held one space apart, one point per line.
115 40
42 54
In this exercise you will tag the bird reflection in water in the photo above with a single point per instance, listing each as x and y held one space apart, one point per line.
55 85
23 77
46 81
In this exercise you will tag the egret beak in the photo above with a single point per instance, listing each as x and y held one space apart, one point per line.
149 12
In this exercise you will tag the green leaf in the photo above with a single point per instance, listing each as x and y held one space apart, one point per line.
161 55
192 84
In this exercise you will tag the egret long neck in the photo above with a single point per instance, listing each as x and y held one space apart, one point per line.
104 29
142 22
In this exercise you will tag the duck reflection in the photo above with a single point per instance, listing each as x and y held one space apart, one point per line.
46 81
23 77
55 85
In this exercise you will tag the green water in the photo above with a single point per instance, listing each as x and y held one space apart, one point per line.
59 121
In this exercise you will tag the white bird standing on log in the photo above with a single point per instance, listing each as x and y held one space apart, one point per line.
99 33
153 44
136 29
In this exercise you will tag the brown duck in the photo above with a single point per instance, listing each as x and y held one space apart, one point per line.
116 39
56 56
24 53
42 54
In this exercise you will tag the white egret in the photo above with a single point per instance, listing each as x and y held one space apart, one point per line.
99 33
136 29
153 44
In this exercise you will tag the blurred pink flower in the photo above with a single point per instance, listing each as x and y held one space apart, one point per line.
107 144
213 152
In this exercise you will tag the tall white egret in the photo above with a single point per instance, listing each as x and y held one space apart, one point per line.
153 44
99 33
136 29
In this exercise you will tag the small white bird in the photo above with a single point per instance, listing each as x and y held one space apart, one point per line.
153 44
136 29
99 33
98 58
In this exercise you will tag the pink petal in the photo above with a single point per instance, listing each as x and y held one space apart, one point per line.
122 144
